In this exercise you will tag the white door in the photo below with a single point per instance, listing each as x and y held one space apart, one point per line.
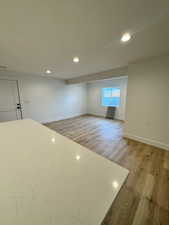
9 101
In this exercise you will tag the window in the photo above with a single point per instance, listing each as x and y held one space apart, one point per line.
111 97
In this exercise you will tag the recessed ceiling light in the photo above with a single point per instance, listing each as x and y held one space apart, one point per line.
115 184
75 59
126 37
77 157
48 71
53 140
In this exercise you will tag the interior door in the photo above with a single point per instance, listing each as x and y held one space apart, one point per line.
10 108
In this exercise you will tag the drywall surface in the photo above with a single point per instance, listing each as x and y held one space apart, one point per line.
94 90
147 113
47 99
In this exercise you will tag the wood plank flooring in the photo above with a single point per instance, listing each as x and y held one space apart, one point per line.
144 199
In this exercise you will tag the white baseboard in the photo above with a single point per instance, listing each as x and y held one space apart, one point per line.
147 141
62 118
104 116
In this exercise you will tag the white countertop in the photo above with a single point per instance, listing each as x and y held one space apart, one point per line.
47 179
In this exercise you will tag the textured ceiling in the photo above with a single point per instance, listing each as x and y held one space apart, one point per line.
38 34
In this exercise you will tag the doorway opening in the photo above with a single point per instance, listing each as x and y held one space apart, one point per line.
10 102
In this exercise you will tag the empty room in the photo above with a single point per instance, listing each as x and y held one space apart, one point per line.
84 112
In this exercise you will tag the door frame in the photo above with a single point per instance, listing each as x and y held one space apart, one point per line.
19 98
18 90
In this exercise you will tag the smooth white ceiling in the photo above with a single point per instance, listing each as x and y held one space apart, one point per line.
46 34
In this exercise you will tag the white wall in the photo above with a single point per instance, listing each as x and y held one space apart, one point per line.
47 99
147 117
94 96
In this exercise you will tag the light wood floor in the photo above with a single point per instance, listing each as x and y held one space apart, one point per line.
144 199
